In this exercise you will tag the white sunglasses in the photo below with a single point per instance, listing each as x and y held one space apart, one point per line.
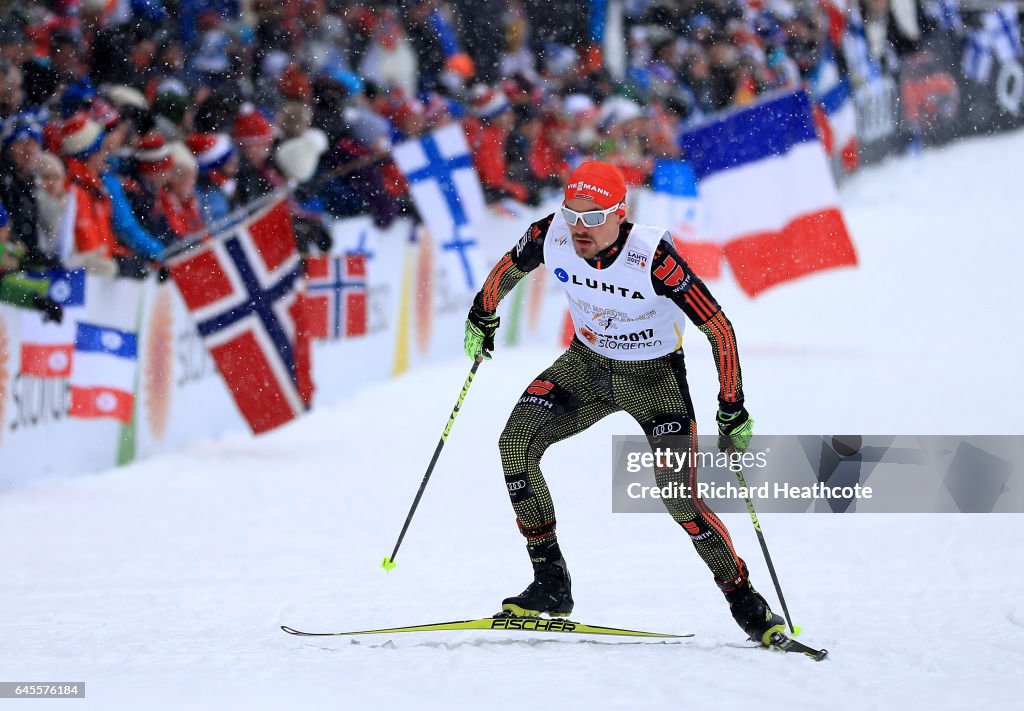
591 218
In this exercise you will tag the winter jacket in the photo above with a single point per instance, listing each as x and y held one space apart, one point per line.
146 206
214 200
17 193
94 228
125 223
182 216
254 182
487 143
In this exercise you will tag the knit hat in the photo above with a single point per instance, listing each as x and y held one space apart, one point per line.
599 182
121 95
182 156
152 154
251 128
75 96
616 110
295 85
298 157
171 107
489 103
22 126
461 64
349 81
212 150
80 136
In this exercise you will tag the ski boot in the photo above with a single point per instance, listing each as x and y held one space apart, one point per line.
550 593
752 613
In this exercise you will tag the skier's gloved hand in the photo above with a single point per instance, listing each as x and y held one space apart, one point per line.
50 309
735 426
480 328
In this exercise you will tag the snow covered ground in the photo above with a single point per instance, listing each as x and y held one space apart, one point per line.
162 584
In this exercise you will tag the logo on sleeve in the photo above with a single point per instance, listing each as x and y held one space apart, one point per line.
540 387
673 275
533 234
523 241
539 393
637 259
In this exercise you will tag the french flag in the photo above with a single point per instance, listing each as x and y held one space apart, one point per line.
768 192
47 348
837 115
673 202
106 353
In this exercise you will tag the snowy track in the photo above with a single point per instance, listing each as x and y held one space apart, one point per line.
163 584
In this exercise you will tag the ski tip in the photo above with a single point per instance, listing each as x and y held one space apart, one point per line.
389 564
289 630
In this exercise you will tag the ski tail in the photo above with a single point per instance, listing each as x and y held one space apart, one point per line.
783 643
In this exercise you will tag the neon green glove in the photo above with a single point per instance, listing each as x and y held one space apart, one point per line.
480 328
735 427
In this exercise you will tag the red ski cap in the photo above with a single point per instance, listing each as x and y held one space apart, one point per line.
599 182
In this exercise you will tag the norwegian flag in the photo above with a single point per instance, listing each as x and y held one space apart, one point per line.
242 287
336 295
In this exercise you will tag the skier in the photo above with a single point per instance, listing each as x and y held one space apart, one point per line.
626 285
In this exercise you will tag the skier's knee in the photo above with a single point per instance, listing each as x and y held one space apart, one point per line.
520 442
512 444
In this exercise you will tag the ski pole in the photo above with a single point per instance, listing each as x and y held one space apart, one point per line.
764 549
389 562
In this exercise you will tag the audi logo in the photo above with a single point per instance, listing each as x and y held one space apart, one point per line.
667 428
516 485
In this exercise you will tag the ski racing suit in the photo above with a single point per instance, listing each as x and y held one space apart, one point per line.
626 355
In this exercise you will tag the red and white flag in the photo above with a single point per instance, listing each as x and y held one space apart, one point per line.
106 351
243 288
47 348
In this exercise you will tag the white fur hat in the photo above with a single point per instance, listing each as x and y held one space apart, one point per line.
298 157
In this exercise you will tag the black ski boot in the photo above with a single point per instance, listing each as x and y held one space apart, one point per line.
752 613
550 592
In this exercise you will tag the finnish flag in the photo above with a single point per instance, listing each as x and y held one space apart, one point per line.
446 190
998 37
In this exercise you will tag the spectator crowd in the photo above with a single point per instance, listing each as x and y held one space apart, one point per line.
131 125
